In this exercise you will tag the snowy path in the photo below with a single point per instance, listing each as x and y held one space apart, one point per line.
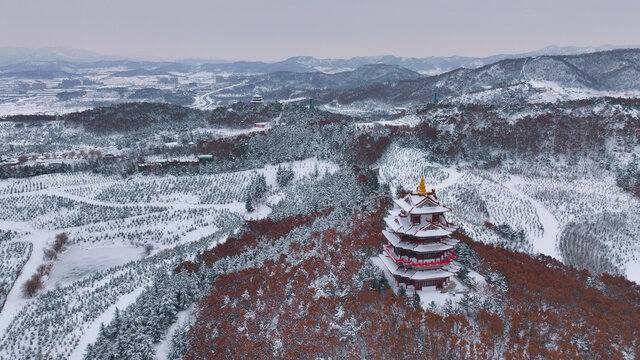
454 176
91 332
233 207
164 346
15 298
204 101
545 244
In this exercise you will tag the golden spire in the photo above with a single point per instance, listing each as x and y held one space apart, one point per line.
422 190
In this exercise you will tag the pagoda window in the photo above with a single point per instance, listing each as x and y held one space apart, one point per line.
415 219
435 218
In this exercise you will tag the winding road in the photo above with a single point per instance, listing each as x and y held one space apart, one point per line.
547 243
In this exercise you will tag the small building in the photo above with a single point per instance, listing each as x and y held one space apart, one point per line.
10 162
263 125
419 252
173 144
257 99
205 158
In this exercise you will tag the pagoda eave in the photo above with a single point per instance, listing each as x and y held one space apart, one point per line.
422 248
420 275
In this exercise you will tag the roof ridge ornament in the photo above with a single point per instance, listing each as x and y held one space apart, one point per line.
422 189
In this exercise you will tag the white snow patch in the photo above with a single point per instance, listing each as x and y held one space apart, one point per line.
79 262
633 271
164 346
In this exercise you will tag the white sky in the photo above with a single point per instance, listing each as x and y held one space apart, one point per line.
276 29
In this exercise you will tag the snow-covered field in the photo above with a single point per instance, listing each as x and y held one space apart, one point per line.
541 209
78 262
537 91
122 233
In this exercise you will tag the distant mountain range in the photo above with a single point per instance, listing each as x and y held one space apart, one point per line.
429 65
16 55
509 81
530 79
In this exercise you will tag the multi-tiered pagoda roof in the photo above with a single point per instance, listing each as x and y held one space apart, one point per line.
419 252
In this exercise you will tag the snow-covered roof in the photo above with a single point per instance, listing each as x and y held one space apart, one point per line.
419 203
434 247
403 225
416 274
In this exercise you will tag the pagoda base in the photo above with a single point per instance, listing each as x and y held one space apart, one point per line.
417 279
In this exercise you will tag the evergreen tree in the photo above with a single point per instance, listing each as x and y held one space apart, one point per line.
402 293
259 186
416 301
248 204
284 175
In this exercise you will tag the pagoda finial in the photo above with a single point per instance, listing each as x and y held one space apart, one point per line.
422 189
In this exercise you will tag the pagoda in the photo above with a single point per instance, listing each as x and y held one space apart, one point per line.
257 99
419 252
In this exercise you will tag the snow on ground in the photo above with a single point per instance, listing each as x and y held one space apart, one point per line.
542 200
90 333
545 243
405 166
409 120
225 132
633 271
360 109
164 346
78 262
107 230
536 91
16 298
439 297
585 200
452 292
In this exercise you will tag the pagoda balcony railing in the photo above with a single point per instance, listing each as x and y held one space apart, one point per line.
414 262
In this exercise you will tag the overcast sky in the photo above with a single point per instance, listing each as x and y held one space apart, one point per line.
277 29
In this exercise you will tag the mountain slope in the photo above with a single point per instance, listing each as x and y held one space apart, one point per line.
14 55
617 70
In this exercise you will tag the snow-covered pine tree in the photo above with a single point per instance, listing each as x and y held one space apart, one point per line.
284 175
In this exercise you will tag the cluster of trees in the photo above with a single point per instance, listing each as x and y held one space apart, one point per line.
35 283
133 333
332 304
513 239
28 118
257 189
548 300
24 171
6 235
131 116
538 306
488 134
14 255
107 166
582 243
58 246
243 115
284 175
628 177
177 97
